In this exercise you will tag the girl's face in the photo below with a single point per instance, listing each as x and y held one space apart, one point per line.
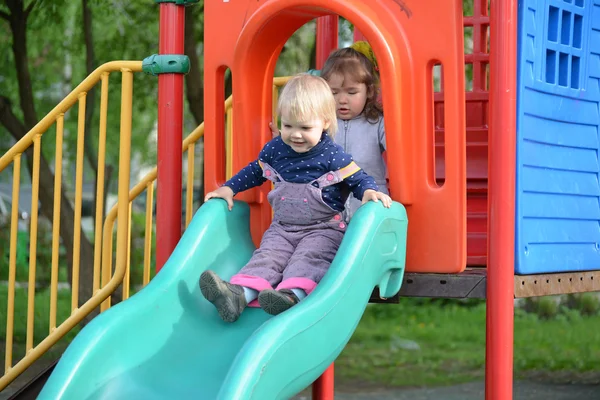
302 136
350 96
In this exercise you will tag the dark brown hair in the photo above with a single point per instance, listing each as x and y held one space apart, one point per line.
349 62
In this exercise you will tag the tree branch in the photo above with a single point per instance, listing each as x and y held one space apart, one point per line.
9 120
30 7
18 26
18 129
5 15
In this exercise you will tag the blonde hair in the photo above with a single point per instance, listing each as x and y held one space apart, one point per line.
305 97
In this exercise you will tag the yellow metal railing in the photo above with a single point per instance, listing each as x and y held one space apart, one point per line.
14 157
147 183
105 282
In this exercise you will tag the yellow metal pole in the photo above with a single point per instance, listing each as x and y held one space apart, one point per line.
148 234
107 255
56 220
12 263
33 230
127 279
124 169
279 81
189 203
100 181
194 136
229 143
78 194
274 108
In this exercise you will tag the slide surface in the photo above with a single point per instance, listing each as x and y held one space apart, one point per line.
168 342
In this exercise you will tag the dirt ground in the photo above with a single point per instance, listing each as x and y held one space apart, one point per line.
533 386
523 390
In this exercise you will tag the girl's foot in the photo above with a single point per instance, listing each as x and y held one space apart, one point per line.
275 302
228 299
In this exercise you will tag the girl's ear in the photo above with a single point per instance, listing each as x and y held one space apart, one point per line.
326 125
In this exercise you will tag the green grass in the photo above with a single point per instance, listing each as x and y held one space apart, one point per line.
41 320
452 344
451 341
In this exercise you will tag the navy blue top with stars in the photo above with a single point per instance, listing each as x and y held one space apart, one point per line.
294 167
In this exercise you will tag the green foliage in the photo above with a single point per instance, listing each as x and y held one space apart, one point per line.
41 314
584 303
43 255
57 63
447 344
295 56
544 307
414 343
138 229
136 263
568 307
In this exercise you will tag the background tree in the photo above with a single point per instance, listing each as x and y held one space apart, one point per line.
37 74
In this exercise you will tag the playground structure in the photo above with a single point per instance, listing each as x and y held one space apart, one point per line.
547 51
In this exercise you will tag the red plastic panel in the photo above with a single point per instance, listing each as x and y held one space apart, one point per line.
247 36
476 135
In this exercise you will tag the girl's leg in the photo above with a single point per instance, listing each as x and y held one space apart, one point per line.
265 268
312 259
306 268
263 271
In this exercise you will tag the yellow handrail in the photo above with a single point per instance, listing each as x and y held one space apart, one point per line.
56 221
65 105
12 264
13 155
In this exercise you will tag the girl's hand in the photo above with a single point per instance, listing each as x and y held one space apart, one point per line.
274 131
224 192
371 195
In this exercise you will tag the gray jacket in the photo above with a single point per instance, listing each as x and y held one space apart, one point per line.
365 141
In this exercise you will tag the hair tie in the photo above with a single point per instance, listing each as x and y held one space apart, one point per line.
365 49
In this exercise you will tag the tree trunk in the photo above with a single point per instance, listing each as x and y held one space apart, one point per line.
46 197
193 80
90 65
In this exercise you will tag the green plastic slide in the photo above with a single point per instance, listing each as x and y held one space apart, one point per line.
168 342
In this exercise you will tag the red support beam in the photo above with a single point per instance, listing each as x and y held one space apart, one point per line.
358 36
501 203
323 388
327 38
170 126
327 41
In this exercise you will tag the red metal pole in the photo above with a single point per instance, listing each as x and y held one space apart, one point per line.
323 388
501 204
358 36
327 37
170 125
327 41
